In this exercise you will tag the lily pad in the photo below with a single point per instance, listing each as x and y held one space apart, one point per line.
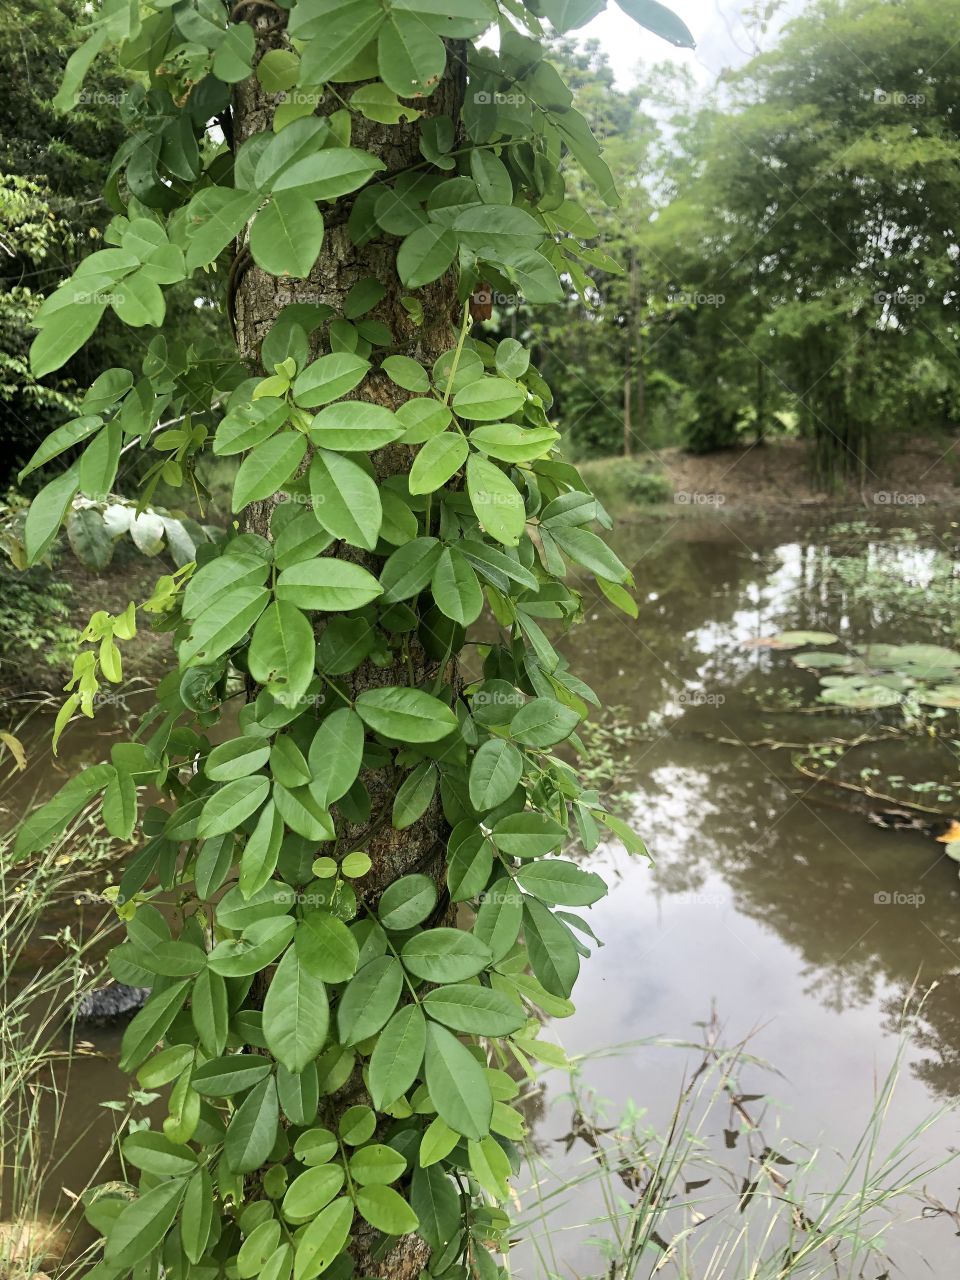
944 695
795 639
859 696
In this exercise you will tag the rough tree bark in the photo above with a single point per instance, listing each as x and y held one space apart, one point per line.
258 300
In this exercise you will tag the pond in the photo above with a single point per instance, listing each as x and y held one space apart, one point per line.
770 900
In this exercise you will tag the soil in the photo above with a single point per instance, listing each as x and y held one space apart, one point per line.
774 475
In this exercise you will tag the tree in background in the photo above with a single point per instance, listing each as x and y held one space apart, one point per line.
793 247
53 212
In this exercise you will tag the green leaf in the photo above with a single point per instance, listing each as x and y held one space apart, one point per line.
156 1154
376 1165
353 426
326 947
436 1203
120 806
414 795
323 1239
425 255
422 419
213 219
457 1084
327 585
236 758
71 433
561 883
438 460
369 999
456 588
63 333
150 1025
296 1014
196 1216
495 501
345 31
553 955
444 955
346 500
253 1129
259 946
142 1224
660 20
437 1142
268 467
302 813
410 56
233 60
474 1010
497 229
488 400
328 174
231 804
397 1056
224 624
315 1147
494 774
498 921
312 1191
46 823
407 373
586 549
47 513
287 234
527 835
469 862
230 1075
329 378
543 723
78 64
282 651
406 715
209 1011
407 902
386 1210
335 755
409 569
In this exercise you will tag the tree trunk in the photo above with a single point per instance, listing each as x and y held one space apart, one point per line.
258 300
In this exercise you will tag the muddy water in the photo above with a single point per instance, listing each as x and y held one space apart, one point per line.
777 904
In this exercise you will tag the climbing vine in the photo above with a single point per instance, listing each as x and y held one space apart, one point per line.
346 893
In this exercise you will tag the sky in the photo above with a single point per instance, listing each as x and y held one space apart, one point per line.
716 25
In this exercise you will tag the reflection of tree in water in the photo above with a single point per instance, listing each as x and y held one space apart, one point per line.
936 1031
805 870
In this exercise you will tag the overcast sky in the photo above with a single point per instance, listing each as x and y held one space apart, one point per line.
722 40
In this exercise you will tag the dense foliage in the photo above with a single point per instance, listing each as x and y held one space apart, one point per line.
794 263
330 789
53 212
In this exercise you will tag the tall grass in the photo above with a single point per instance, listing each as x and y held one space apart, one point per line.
48 962
670 1204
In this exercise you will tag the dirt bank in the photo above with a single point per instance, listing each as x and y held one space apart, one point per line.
926 471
